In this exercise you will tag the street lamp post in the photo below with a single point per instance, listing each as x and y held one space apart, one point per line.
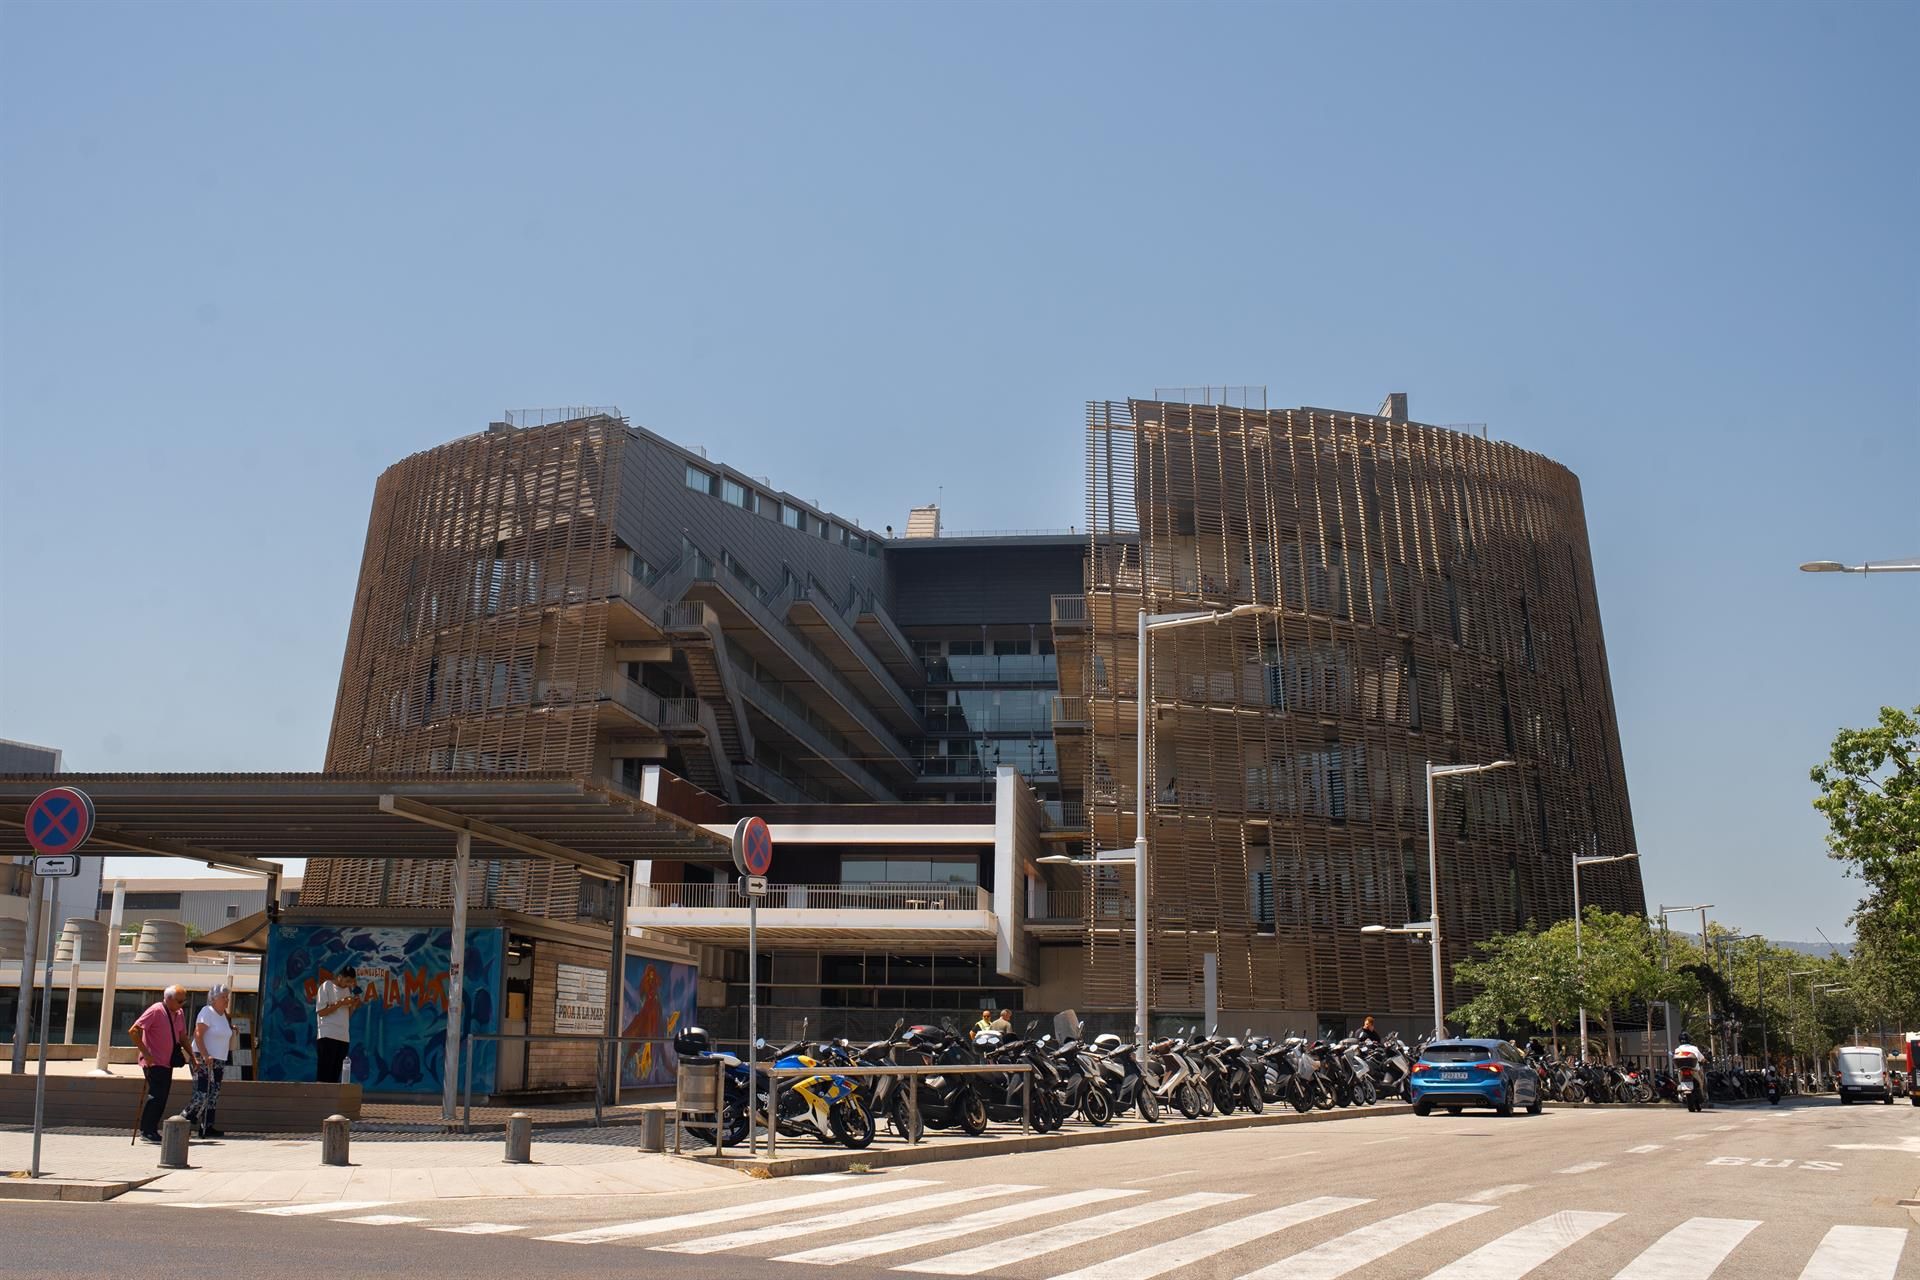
1884 566
1142 798
1433 878
1579 955
1791 975
1666 962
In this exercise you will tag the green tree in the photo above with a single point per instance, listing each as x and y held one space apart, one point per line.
1870 795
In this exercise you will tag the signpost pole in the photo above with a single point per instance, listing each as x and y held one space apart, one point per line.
46 1017
753 1022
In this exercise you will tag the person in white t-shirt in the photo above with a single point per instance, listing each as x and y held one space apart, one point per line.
333 1006
212 1047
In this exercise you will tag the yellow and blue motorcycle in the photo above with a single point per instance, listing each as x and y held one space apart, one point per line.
829 1107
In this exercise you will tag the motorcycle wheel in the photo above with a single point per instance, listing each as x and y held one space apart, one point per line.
1188 1100
852 1123
1323 1095
1149 1106
1254 1102
1368 1093
973 1115
1574 1092
1222 1095
1095 1109
1302 1100
897 1117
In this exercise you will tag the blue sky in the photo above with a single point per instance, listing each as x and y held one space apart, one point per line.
253 253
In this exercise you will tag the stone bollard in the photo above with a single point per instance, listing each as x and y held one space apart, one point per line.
653 1130
173 1142
333 1140
519 1138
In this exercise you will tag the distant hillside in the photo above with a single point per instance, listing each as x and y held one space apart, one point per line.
1804 948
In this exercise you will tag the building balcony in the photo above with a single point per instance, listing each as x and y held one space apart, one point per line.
959 916
793 718
1070 613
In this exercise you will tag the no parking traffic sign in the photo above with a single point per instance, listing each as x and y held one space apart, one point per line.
59 821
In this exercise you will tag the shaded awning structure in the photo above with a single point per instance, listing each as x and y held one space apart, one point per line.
243 821
247 936
236 820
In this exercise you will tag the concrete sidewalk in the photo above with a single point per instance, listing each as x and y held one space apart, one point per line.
386 1168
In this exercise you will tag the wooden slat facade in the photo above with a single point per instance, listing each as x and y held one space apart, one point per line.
1434 600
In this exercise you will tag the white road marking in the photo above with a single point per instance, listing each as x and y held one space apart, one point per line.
733 1213
482 1228
1720 1128
1134 1182
331 1206
1520 1251
1144 1264
381 1220
202 1204
1001 1253
1348 1253
1691 1251
933 1232
1587 1167
1496 1193
845 1218
1687 1137
1641 1151
1857 1253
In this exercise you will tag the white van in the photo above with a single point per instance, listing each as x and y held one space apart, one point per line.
1860 1071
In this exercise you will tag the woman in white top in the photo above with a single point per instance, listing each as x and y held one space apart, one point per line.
212 1045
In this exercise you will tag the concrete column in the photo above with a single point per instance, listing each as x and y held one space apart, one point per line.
456 975
109 984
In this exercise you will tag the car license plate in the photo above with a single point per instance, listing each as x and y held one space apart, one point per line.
1453 1075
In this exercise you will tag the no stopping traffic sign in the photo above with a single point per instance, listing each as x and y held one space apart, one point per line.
59 820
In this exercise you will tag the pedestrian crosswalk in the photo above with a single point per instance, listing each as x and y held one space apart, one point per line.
924 1226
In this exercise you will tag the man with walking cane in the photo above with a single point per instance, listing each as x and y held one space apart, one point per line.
160 1034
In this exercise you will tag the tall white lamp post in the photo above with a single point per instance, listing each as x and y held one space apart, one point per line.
1884 566
1433 877
1579 954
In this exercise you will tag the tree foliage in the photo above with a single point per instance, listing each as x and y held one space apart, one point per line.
1534 981
1870 795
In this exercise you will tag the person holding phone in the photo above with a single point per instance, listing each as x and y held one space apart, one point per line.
333 1007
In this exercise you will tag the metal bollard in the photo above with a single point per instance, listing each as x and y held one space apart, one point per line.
173 1142
333 1140
519 1138
653 1131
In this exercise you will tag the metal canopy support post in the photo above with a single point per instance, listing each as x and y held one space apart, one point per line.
617 985
23 1011
456 974
110 981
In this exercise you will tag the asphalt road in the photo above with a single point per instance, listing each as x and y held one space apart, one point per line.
1809 1189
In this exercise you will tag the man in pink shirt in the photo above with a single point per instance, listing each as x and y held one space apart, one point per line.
157 1034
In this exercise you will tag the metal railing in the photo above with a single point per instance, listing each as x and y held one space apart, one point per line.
914 1133
605 1084
1070 608
826 897
1068 709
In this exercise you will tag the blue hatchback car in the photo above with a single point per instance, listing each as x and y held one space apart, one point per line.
1474 1073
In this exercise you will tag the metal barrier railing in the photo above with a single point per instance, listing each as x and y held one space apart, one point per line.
605 1083
774 1075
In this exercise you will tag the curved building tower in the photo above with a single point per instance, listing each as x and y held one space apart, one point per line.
1424 595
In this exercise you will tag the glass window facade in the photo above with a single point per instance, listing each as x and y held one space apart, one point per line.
699 481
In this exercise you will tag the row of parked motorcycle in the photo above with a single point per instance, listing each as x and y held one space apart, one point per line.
1095 1080
1562 1080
